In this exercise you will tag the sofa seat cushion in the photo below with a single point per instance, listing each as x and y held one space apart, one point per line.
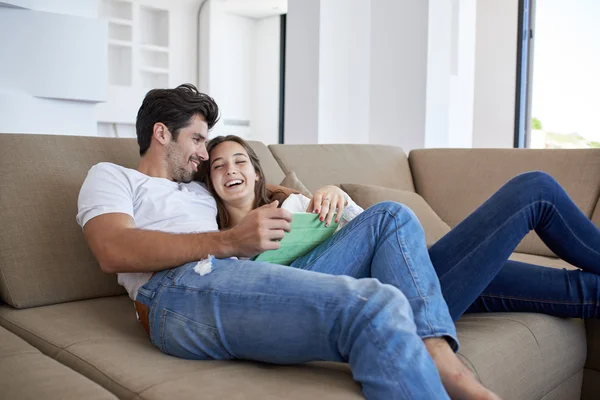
523 355
541 260
102 340
26 373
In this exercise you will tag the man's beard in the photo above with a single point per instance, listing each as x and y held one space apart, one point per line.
174 159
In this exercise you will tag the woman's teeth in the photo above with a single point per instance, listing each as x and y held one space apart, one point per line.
233 183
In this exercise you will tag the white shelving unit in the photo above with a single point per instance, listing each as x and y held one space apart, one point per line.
138 60
138 44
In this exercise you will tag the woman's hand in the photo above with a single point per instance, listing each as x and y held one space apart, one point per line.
326 201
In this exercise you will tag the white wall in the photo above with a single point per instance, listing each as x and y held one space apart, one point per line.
439 69
81 8
495 73
344 71
440 72
462 82
398 73
302 72
240 70
265 120
57 71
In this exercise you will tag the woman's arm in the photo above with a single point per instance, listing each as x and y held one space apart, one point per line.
279 193
299 203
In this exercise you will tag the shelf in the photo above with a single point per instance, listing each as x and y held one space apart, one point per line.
154 24
119 32
116 9
154 80
152 47
119 43
154 59
120 21
154 70
119 65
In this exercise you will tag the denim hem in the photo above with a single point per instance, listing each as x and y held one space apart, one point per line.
451 338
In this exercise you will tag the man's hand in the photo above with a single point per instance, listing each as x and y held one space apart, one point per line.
260 230
326 201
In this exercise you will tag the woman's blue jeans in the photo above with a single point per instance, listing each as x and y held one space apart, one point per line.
370 294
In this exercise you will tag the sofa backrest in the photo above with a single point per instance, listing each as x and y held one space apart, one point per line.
596 214
273 173
320 165
43 256
455 182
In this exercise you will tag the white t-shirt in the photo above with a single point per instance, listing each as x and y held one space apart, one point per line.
161 205
297 203
154 204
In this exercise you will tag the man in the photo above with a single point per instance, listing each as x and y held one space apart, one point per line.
157 230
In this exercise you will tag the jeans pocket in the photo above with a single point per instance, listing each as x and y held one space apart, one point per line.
185 338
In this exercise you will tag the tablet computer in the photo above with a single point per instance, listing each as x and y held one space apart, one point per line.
307 233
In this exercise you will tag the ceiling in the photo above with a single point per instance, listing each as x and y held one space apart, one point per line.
255 8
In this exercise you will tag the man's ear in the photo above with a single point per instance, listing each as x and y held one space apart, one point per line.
161 133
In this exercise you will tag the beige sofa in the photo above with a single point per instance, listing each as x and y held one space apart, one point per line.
57 299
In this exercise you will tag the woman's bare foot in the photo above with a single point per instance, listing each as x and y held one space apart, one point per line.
459 381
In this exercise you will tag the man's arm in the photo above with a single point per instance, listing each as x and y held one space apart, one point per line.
121 247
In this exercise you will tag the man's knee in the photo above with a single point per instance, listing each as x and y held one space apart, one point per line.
379 296
393 208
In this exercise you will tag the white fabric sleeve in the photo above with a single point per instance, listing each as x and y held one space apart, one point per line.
296 203
299 203
351 211
106 189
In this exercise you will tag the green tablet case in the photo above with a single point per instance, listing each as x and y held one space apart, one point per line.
307 233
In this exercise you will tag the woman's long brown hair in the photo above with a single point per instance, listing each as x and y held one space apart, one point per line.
261 194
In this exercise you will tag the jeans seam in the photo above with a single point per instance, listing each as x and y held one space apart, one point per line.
377 343
487 239
567 226
182 318
493 296
323 307
344 232
411 272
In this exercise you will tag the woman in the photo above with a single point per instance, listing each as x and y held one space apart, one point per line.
386 241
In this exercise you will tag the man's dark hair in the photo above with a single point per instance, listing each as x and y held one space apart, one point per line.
175 108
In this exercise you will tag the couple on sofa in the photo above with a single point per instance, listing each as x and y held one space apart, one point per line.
372 295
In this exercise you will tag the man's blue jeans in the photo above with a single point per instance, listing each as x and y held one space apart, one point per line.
370 294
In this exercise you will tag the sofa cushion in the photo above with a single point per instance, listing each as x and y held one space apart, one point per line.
367 195
596 214
291 181
320 165
455 182
522 356
102 340
541 260
43 256
273 173
25 373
